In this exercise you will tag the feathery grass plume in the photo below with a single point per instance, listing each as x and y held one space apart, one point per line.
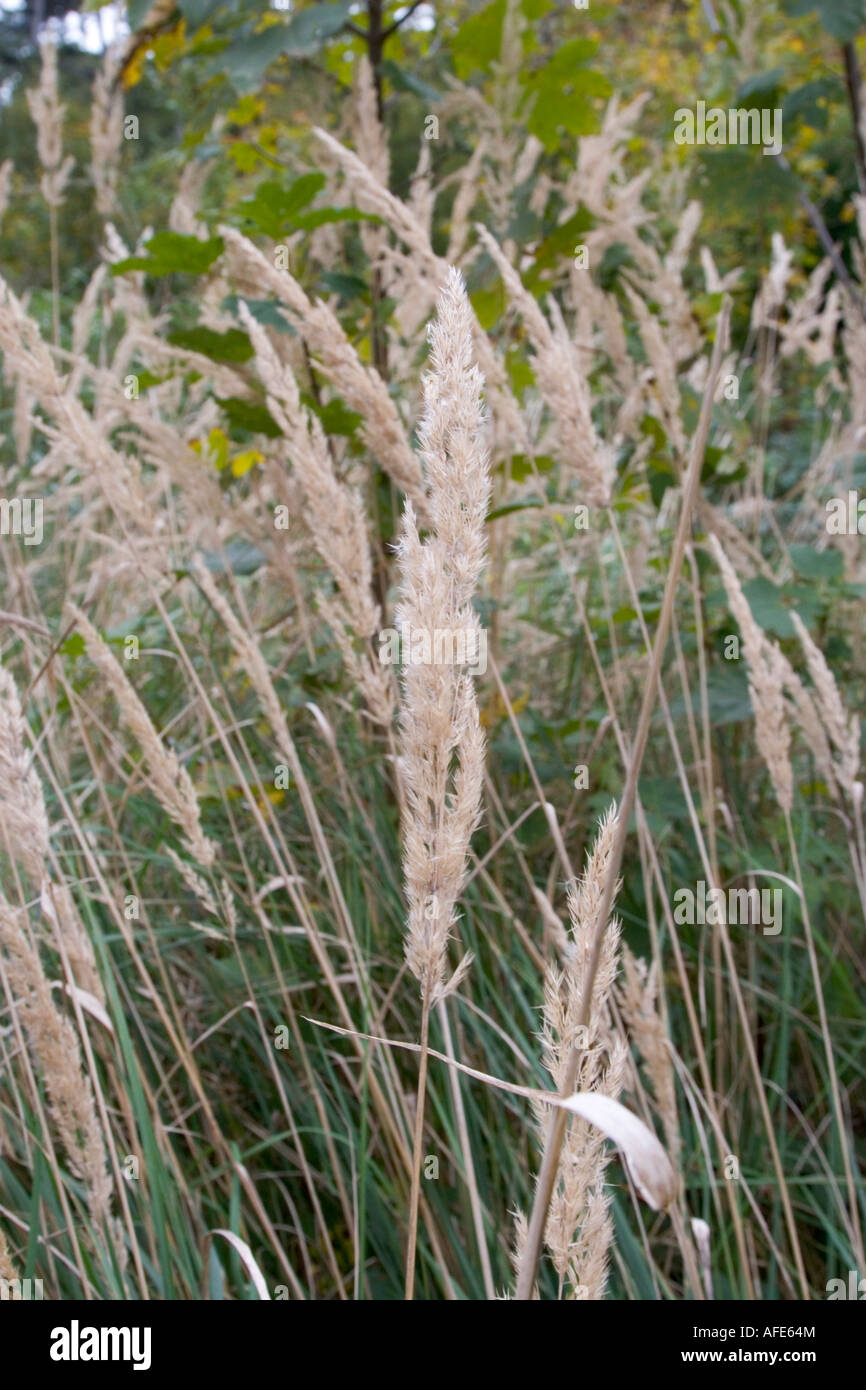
117 473
371 142
129 300
814 318
372 197
714 283
370 136
55 1046
335 516
171 783
24 826
661 280
183 215
663 366
766 681
25 836
439 715
422 195
561 383
362 387
22 427
854 344
442 743
771 296
82 322
464 200
555 1135
511 153
676 258
195 883
408 283
598 181
224 909
509 68
842 728
173 458
47 113
805 713
375 198
518 1245
638 999
599 184
106 131
162 354
58 905
606 316
579 1228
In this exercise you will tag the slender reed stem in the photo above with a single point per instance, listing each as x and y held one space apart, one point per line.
416 1154
556 1129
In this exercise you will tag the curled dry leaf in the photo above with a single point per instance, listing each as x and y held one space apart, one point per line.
248 1260
92 1005
702 1235
651 1170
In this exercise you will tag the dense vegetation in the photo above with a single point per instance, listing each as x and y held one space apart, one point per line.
226 826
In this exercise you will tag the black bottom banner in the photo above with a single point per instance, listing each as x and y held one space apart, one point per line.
87 1340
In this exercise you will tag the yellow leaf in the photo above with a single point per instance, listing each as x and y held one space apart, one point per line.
168 46
242 463
246 110
218 447
244 157
132 72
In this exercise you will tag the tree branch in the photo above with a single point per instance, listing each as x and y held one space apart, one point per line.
855 98
392 28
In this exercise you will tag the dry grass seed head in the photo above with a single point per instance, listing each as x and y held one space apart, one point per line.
442 743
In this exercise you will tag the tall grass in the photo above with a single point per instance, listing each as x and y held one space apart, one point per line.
292 944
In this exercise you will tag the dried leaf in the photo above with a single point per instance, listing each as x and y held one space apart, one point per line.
650 1168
